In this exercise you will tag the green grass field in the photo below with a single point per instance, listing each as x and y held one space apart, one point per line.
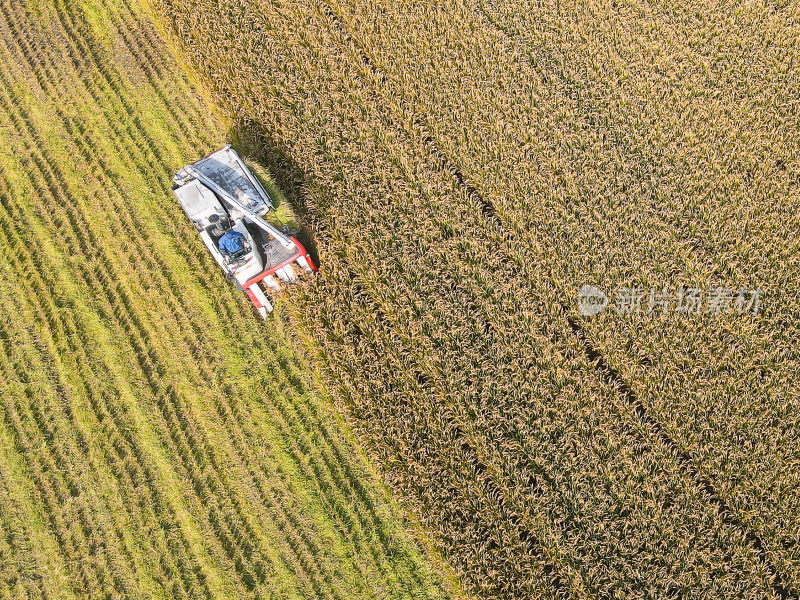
157 439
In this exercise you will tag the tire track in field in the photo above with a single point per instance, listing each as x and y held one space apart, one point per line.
697 248
487 209
609 374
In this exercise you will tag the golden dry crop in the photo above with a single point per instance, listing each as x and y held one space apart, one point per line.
465 167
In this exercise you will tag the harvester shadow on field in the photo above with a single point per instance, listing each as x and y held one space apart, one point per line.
261 147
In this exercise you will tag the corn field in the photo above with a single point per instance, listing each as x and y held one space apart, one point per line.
155 441
464 167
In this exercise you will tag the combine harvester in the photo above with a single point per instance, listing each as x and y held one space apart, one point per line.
226 203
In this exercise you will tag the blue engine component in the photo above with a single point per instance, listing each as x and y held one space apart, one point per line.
231 242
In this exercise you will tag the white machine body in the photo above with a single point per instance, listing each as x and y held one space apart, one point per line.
225 202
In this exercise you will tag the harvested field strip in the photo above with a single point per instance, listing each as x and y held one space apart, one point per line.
125 452
88 143
149 368
449 298
58 478
204 376
17 218
686 241
31 563
177 425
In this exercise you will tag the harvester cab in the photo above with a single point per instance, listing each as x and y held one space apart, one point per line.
226 204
